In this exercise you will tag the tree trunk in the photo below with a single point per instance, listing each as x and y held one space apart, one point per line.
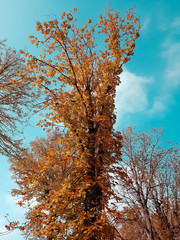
149 228
92 202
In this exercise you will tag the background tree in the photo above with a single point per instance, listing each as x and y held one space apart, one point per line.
153 194
131 223
79 84
42 174
15 98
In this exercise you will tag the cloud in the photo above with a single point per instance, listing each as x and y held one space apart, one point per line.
131 95
166 20
136 95
176 22
170 80
146 22
171 52
160 104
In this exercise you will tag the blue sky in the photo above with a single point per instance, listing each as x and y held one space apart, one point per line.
149 93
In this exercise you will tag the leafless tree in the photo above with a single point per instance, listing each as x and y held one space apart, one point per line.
153 184
15 99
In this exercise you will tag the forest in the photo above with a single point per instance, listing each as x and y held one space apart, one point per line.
86 180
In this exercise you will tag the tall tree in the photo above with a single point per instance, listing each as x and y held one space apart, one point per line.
152 197
79 83
15 97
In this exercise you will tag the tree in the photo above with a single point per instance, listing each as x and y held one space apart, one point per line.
131 224
152 196
79 84
15 97
50 175
40 175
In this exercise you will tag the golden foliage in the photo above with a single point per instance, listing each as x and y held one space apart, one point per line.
70 177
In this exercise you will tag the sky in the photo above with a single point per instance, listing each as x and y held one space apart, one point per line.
149 92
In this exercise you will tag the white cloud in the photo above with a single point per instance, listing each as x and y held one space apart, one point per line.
171 74
165 23
134 97
171 52
176 22
170 77
131 95
159 105
145 23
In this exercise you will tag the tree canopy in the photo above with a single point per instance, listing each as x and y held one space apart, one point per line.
71 181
